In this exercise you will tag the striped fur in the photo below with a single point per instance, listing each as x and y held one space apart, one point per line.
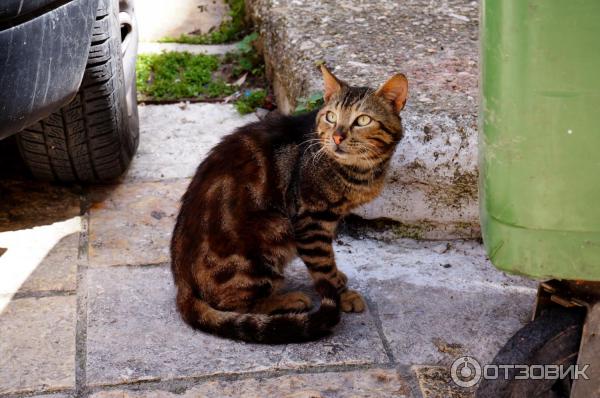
266 193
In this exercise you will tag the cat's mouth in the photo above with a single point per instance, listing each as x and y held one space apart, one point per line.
340 153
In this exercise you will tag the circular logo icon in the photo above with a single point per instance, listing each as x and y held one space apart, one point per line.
465 372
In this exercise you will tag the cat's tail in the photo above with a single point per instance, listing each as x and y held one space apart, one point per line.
262 328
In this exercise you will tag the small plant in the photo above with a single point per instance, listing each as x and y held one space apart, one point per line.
230 30
170 76
307 104
250 100
175 75
246 45
246 59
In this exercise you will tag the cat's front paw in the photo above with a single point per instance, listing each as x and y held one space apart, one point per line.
340 280
352 301
343 278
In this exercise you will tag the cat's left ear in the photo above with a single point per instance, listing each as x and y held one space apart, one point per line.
395 91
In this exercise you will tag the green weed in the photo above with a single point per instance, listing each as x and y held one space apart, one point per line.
307 104
174 75
246 59
250 100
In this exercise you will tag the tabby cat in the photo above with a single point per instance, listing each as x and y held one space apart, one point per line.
270 191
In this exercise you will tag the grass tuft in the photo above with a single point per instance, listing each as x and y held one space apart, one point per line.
250 100
183 76
307 104
174 75
246 59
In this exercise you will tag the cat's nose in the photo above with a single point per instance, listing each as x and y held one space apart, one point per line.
338 137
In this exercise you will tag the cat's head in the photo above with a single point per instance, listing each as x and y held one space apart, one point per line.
359 125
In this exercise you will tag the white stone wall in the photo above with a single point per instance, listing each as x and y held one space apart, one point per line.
161 18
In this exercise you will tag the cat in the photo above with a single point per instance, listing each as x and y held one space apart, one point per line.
270 191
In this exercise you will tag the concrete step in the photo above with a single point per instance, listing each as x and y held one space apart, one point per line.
432 187
208 49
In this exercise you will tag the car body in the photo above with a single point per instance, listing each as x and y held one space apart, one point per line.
45 48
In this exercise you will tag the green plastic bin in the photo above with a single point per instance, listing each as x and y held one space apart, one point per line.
539 142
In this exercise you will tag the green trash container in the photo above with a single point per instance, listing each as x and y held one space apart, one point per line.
539 183
539 142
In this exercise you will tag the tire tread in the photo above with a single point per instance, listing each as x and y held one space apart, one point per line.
89 139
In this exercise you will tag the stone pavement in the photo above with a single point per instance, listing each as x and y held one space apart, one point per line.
433 182
87 301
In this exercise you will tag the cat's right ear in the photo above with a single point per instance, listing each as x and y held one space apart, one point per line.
331 83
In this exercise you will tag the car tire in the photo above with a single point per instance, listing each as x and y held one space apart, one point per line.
95 136
551 339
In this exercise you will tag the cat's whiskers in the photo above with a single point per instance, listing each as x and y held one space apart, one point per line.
310 140
371 148
322 152
317 155
310 147
366 148
313 142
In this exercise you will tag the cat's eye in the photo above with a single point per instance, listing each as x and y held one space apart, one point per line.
363 120
331 117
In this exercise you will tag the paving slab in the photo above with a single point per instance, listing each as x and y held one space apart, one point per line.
57 272
435 382
37 345
433 181
372 383
437 301
439 325
40 259
131 224
26 204
175 138
209 49
134 333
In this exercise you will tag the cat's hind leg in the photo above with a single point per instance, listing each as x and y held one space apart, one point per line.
279 303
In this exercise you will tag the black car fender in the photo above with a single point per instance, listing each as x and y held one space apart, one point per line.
43 55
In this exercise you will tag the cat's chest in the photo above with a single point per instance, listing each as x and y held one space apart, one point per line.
357 197
340 198
340 188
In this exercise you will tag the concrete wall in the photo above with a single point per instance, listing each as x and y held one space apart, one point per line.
160 18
